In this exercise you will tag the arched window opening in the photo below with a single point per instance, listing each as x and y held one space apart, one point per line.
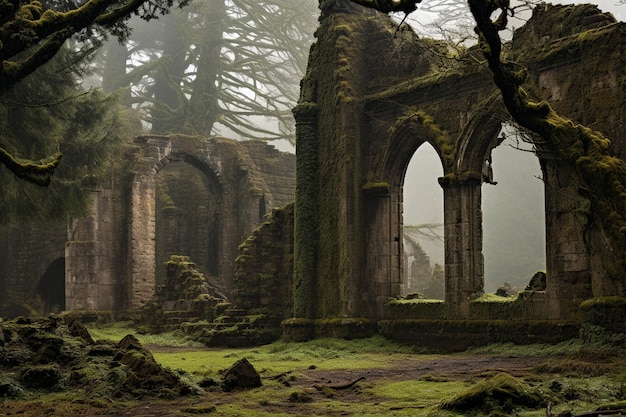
513 217
423 226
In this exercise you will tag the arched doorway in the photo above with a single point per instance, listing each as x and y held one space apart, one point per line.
423 225
188 218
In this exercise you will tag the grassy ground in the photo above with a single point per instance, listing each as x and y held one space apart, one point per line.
309 379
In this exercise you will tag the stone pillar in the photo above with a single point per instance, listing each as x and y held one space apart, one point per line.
142 241
306 207
384 247
568 280
464 265
90 282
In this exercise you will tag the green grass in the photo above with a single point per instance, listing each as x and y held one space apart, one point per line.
418 397
281 357
117 331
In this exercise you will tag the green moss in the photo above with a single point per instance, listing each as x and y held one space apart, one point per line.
500 392
415 118
493 298
376 187
611 301
417 309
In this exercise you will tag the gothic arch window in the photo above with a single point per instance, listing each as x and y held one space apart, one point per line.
423 225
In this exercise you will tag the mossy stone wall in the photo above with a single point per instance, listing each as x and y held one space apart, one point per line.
370 118
264 268
110 254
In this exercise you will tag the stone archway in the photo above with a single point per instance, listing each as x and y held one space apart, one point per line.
362 114
230 175
188 218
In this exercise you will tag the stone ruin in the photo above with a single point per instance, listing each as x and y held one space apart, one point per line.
169 195
332 263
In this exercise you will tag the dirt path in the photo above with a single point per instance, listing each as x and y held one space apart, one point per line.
454 367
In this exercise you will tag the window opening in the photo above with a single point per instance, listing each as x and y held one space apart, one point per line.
423 226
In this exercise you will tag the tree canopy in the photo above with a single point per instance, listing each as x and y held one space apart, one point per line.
33 32
47 113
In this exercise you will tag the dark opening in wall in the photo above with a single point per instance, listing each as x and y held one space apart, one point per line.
51 287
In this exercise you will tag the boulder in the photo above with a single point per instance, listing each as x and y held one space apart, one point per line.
241 375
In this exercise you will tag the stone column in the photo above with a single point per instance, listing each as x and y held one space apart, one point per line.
306 207
464 265
90 283
142 241
568 280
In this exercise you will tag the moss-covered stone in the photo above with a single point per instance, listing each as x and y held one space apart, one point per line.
103 369
604 320
501 393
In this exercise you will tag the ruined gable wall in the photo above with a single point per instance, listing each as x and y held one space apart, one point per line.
278 170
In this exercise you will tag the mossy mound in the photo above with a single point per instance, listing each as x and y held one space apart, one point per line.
56 354
502 393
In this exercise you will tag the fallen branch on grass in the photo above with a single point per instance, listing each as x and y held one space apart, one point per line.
597 413
338 387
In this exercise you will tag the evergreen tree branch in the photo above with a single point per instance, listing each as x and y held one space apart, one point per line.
37 173
28 24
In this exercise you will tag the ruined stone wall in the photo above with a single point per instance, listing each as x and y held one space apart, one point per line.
27 251
277 169
264 268
360 121
111 254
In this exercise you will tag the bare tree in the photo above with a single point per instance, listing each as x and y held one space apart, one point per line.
218 67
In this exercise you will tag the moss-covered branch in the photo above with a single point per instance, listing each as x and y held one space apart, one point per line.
602 175
30 33
388 6
37 173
